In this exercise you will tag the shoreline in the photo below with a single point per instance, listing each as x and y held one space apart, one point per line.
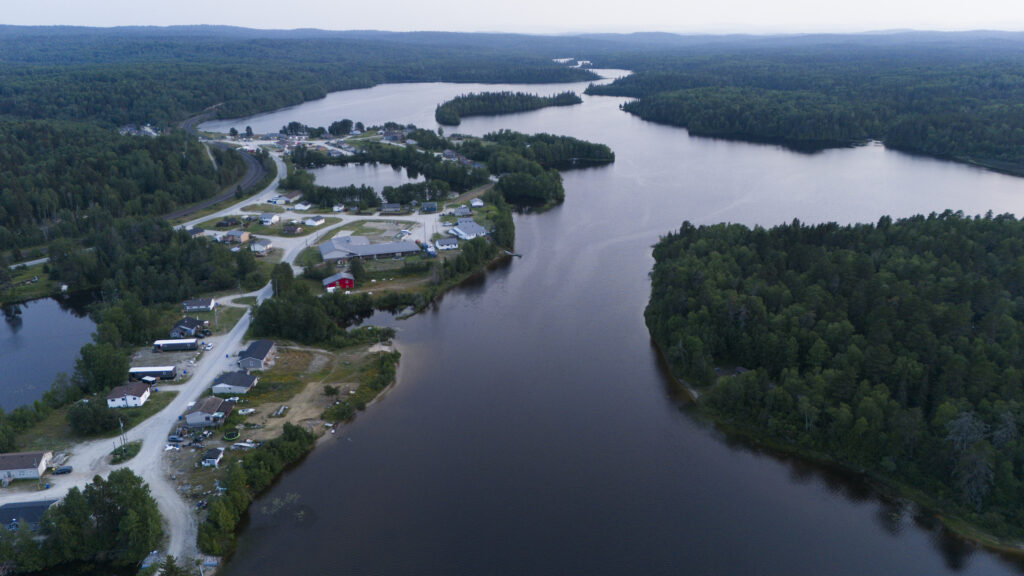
959 527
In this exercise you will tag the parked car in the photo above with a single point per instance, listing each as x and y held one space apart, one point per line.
63 470
174 438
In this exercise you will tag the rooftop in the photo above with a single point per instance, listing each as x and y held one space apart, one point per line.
21 460
211 405
258 349
236 378
136 389
339 276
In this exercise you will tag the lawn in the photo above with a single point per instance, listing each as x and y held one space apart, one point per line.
23 288
54 433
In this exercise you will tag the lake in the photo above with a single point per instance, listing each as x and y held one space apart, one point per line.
376 175
39 342
533 430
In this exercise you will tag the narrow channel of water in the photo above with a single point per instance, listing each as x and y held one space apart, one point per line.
533 430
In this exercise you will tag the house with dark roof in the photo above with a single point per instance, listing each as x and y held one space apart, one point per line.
18 465
462 211
187 327
199 305
129 395
235 237
195 231
210 411
212 457
17 513
233 383
390 208
428 207
258 356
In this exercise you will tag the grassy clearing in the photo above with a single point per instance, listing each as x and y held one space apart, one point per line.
223 319
125 452
23 288
261 208
246 300
309 257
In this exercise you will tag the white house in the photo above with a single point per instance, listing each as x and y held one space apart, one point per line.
314 220
447 243
467 229
212 457
209 411
269 218
476 203
130 395
302 206
261 246
19 465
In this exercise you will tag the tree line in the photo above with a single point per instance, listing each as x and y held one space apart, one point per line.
955 100
66 179
112 522
450 113
894 348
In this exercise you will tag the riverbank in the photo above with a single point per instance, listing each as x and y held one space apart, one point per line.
885 486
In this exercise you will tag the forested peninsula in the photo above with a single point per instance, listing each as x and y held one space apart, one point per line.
450 113
892 348
952 97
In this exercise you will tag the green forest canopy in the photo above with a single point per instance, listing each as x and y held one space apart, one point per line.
450 113
895 348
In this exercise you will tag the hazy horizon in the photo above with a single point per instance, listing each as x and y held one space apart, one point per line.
539 16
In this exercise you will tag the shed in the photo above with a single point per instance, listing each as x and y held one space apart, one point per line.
212 457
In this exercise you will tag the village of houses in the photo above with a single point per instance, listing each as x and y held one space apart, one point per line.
196 429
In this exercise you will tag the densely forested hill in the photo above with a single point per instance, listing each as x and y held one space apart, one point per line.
951 96
163 75
895 348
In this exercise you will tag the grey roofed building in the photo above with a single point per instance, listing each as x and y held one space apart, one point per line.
212 457
195 231
257 356
209 411
200 304
15 465
447 243
467 229
187 327
29 513
429 207
347 247
237 382
390 207
462 211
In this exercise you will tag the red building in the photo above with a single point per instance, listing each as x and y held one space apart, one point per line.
342 280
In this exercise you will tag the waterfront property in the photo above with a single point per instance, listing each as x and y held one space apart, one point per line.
20 465
232 383
342 280
187 327
258 356
131 395
176 345
346 247
24 513
210 411
155 372
199 305
467 229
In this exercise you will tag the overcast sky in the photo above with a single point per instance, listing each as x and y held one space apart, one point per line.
537 16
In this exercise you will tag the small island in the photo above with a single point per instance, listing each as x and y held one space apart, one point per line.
451 112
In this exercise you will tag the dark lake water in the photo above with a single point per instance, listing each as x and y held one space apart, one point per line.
533 430
37 343
376 175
